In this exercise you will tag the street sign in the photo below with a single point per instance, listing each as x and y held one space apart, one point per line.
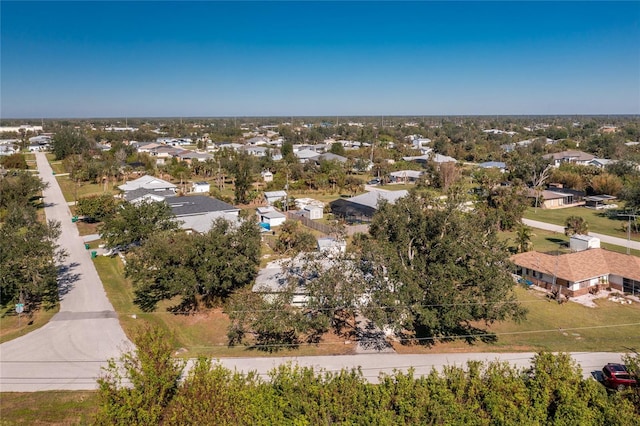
19 308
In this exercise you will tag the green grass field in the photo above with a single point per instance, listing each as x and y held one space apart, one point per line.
596 219
48 408
12 327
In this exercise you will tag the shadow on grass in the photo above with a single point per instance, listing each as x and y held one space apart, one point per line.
426 337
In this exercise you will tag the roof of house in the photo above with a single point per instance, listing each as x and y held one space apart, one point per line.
573 155
141 192
273 214
275 194
202 223
372 198
197 204
147 182
306 154
415 174
493 164
581 265
330 156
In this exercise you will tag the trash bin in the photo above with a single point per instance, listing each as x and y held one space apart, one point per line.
74 219
86 245
94 254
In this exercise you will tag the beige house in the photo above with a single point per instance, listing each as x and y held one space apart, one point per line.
578 273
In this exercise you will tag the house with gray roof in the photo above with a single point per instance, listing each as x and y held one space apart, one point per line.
148 182
361 208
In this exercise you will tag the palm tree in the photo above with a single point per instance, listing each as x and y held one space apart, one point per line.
523 238
575 225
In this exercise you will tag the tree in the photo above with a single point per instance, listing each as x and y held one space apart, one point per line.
434 270
69 141
136 222
97 208
137 388
523 238
29 254
337 148
292 238
197 268
575 225
242 170
606 184
14 161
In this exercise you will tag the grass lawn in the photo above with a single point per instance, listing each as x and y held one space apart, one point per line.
597 221
553 242
69 188
12 327
201 334
553 327
48 408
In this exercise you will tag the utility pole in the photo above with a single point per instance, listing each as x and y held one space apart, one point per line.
629 216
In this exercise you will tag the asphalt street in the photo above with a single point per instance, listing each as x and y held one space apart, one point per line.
70 350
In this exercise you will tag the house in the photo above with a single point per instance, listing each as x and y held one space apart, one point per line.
200 187
329 156
312 211
273 196
305 155
272 280
556 198
361 208
267 176
493 165
601 163
139 195
579 242
405 176
197 212
576 157
575 274
270 216
599 202
148 182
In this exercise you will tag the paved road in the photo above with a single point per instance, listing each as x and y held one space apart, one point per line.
604 238
68 352
373 364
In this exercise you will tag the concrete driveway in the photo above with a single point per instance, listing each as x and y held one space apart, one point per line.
68 352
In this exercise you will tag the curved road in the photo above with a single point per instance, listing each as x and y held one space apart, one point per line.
68 352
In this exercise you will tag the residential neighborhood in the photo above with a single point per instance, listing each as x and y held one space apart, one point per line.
319 213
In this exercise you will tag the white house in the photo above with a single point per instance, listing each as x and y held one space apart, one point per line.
270 216
200 187
148 182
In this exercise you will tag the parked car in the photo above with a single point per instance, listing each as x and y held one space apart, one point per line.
375 181
616 376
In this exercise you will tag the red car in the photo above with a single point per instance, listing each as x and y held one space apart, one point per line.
616 376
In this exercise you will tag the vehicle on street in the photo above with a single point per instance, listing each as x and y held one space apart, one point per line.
375 181
617 376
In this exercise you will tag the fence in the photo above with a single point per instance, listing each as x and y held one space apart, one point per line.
326 229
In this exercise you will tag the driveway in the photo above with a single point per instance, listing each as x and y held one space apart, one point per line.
68 352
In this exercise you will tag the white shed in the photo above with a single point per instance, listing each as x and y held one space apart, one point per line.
273 196
270 216
580 242
312 212
200 187
267 176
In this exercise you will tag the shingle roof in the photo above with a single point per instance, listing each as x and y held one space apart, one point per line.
582 265
137 193
148 182
197 204
371 199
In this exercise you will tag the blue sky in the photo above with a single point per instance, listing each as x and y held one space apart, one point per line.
169 59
